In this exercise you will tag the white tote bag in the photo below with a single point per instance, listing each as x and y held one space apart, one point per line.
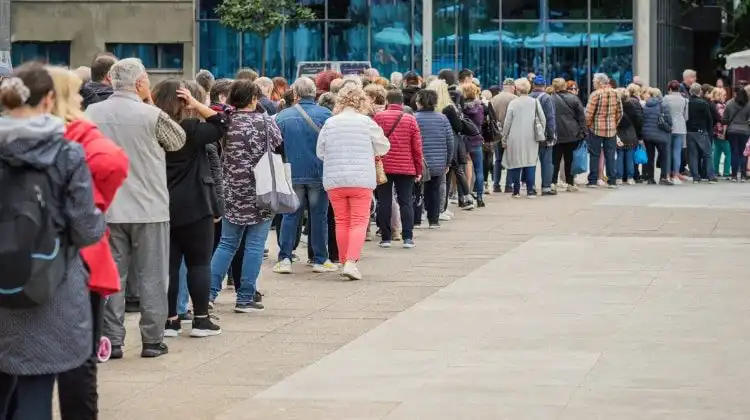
273 185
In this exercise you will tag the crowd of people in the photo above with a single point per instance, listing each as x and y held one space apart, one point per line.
172 167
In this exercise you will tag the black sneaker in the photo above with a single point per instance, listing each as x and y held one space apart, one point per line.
116 352
665 182
172 328
651 182
497 189
258 297
132 306
246 308
154 350
509 190
186 317
549 192
204 327
480 204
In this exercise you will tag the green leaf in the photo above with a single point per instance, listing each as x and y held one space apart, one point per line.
261 17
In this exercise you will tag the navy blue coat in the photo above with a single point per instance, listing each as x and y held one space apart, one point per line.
651 130
437 140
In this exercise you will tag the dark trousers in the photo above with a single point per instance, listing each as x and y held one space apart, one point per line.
77 388
739 161
563 151
432 199
665 160
699 152
194 243
235 270
487 164
333 247
404 189
26 397
462 183
418 198
596 144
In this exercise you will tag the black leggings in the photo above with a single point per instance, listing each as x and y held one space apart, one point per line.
194 243
77 388
488 161
563 151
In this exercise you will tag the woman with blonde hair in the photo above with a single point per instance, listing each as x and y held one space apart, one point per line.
721 145
376 95
519 138
109 168
348 144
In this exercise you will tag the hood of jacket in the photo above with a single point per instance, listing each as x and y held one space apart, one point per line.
653 102
30 141
411 90
101 90
474 108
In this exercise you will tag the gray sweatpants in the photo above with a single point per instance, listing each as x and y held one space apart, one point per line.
144 248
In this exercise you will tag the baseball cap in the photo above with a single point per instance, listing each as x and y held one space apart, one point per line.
508 82
540 81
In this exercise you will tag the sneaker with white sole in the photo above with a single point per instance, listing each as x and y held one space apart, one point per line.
449 213
631 181
351 271
409 243
283 267
246 308
571 188
444 217
326 267
172 328
676 181
204 327
385 244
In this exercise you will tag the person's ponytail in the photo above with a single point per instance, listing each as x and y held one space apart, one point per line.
13 93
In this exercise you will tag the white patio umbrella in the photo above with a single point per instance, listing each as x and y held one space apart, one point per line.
738 60
617 40
553 39
490 37
397 36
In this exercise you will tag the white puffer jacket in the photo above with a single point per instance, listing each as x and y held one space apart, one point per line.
347 145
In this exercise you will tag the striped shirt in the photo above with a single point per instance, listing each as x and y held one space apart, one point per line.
604 112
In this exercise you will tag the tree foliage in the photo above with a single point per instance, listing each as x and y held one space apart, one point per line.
261 17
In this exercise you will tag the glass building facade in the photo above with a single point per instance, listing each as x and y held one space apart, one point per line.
496 39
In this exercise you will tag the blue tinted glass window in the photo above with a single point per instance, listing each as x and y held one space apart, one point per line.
392 38
444 36
612 9
305 43
219 49
522 9
347 41
207 9
478 41
252 53
523 49
148 53
612 51
568 9
567 53
57 53
317 6
170 56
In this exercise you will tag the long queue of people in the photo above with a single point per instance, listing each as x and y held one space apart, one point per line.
172 167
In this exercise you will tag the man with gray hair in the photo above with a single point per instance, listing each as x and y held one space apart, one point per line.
206 80
397 79
300 126
371 74
689 77
699 129
266 87
139 216
603 114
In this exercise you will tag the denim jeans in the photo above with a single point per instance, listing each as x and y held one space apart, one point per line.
314 197
517 174
183 297
609 144
676 142
547 168
477 158
255 241
699 154
625 166
497 168
737 146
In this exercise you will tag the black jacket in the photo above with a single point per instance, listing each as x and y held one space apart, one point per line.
700 116
630 128
410 96
570 117
93 92
192 193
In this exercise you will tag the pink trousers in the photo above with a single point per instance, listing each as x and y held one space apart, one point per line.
351 209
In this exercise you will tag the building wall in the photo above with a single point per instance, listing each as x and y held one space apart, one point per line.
89 25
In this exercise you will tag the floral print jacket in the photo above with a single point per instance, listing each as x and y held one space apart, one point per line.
249 137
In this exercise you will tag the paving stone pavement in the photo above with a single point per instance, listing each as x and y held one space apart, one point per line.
627 304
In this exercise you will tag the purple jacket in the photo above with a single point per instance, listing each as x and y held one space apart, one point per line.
474 111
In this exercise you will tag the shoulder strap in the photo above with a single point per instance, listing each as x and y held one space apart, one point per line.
398 120
307 118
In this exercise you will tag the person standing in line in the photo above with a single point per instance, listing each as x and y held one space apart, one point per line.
677 105
550 132
300 126
475 111
266 89
570 120
629 131
412 86
51 334
100 86
603 114
437 146
139 216
657 129
205 80
249 138
348 144
77 388
699 129
402 165
193 201
737 120
500 105
721 144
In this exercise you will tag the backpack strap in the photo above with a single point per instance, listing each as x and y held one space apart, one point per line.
307 118
398 120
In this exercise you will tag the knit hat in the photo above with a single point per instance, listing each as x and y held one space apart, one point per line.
509 82
540 81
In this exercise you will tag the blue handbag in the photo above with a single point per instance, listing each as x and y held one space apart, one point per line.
580 162
640 157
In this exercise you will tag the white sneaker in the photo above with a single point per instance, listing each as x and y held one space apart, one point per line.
571 188
676 181
326 267
445 217
601 183
449 213
618 182
351 271
283 267
631 181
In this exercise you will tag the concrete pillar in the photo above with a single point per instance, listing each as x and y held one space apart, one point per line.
426 37
643 39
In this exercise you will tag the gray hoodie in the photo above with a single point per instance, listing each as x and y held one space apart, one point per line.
57 336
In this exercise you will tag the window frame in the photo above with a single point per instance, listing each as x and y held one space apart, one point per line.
46 45
160 60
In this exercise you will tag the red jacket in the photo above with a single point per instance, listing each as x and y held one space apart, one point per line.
405 155
109 168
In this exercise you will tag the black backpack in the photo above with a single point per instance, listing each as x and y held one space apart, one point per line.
492 129
32 254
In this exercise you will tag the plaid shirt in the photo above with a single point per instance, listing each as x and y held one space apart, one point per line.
604 112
